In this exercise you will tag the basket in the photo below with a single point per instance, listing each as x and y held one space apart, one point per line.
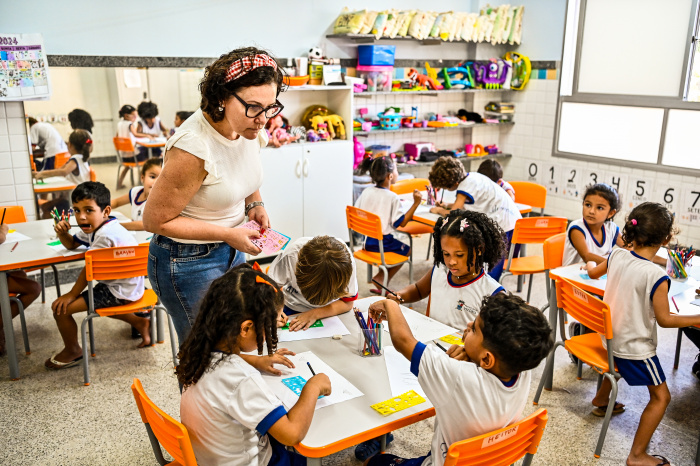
390 122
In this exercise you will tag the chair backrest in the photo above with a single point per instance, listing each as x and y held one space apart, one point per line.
553 251
93 175
60 159
364 222
531 230
532 194
592 312
407 186
14 214
169 433
500 447
123 144
116 263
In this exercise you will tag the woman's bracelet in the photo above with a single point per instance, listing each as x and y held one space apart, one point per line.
253 205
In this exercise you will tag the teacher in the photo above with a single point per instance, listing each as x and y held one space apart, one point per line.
210 181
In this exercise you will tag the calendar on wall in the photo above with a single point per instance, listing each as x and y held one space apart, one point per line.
24 71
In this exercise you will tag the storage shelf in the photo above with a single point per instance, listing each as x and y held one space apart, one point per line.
499 155
429 130
371 38
367 95
309 87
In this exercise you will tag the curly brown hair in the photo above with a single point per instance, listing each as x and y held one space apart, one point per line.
231 299
446 172
323 270
215 90
482 237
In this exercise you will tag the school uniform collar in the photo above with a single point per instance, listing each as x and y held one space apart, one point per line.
109 219
639 257
455 285
593 236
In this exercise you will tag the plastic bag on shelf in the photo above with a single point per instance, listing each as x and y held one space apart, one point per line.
348 22
440 24
380 24
367 22
403 21
470 27
516 30
421 24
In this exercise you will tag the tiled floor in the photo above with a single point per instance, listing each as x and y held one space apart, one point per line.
51 418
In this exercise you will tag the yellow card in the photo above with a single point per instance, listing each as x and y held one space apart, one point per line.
452 340
11 231
398 403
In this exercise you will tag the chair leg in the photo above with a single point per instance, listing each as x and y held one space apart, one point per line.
527 459
430 243
385 280
608 414
410 271
23 323
131 175
55 280
92 339
119 170
677 358
83 334
155 445
159 324
154 324
369 273
579 371
547 368
600 382
529 287
43 287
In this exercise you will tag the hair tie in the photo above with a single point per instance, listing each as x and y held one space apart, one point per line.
257 267
259 279
88 141
633 222
463 224
247 64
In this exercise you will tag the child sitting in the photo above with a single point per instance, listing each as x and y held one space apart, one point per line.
138 196
385 203
76 170
475 192
231 414
45 139
493 170
180 118
318 278
149 126
481 387
97 230
126 128
637 293
457 284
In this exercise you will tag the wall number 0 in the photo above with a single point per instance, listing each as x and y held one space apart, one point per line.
532 169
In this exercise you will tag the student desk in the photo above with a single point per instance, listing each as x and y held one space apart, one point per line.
50 185
150 145
351 422
28 254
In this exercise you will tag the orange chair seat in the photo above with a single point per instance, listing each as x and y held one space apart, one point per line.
133 164
375 258
416 228
527 265
148 300
589 349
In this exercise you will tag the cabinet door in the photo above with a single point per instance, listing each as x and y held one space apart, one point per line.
282 189
327 170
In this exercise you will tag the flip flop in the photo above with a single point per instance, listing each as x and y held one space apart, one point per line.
600 410
52 363
664 461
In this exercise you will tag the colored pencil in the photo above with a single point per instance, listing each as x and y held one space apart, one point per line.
310 368
675 304
4 211
13 247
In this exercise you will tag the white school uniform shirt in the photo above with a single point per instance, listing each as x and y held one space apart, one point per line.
48 138
282 270
136 207
468 400
632 282
457 305
610 234
505 185
156 130
228 413
83 170
483 195
124 131
111 234
386 204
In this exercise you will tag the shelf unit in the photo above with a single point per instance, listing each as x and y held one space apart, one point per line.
429 129
371 38
367 95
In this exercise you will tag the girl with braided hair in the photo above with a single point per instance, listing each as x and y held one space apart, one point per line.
230 412
463 242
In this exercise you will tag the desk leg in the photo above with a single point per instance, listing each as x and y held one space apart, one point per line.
150 153
313 461
553 313
7 327
382 443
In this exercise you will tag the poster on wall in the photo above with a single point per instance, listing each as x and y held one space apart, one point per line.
689 205
24 71
571 182
669 195
639 190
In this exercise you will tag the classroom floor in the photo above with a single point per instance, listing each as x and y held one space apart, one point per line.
50 418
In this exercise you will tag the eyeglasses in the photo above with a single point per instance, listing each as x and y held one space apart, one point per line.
254 111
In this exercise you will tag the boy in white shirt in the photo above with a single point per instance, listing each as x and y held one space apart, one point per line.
477 388
98 230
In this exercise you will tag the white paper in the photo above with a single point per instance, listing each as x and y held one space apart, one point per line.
398 368
341 389
695 302
331 326
678 287
67 252
16 236
423 328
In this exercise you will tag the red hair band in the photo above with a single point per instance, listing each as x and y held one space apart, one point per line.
244 65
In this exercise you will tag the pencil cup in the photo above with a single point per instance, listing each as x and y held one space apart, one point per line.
369 342
674 269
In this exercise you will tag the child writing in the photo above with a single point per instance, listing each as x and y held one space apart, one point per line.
457 284
127 129
138 196
97 230
76 170
233 417
149 126
318 280
385 203
484 385
493 170
637 292
475 192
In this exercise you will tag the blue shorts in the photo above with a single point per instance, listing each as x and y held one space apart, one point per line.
391 244
387 459
283 457
644 372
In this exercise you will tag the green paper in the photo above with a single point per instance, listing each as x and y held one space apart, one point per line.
318 323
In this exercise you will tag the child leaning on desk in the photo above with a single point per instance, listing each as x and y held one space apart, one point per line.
231 414
138 195
480 387
318 279
494 171
637 293
97 230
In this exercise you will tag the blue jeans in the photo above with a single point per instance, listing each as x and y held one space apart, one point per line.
181 273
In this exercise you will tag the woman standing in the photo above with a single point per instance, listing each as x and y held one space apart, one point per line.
210 181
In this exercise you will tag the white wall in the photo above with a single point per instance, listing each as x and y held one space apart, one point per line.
15 172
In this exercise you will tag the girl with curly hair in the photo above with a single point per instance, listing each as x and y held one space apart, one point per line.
233 417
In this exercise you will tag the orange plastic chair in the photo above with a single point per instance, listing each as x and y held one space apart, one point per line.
501 447
532 194
14 214
163 430
593 314
370 225
93 175
60 159
531 230
553 254
414 228
124 145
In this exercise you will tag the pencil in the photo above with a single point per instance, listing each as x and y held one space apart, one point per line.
4 211
675 304
13 247
440 346
386 289
310 368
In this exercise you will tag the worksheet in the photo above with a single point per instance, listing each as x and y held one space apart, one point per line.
59 248
331 326
14 236
271 241
398 368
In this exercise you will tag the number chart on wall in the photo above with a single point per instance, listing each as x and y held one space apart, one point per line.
24 72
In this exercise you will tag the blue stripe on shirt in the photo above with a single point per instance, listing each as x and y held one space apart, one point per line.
78 240
270 419
656 285
470 199
399 221
415 357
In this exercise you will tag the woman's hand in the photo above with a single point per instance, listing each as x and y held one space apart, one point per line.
239 239
259 214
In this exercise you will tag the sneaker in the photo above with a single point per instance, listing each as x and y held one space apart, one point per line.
574 330
696 367
370 448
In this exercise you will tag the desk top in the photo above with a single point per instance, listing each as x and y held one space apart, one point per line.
423 214
159 142
54 183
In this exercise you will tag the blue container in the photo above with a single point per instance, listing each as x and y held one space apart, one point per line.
376 55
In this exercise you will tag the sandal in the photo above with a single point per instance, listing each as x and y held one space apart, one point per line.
52 363
600 410
375 291
370 448
664 461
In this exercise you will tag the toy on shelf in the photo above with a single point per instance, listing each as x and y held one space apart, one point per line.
359 150
491 75
377 78
492 149
311 112
422 81
277 129
476 150
522 69
389 119
312 136
323 133
458 76
333 123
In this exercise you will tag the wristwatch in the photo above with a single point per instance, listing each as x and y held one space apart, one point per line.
253 205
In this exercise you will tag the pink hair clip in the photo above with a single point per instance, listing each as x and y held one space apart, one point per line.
463 224
244 65
633 222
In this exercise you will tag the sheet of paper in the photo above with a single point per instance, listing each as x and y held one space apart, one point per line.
342 390
398 368
14 236
59 248
694 271
331 326
271 241
679 287
696 302
423 328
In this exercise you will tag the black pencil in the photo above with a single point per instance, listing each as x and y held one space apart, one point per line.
4 211
440 346
386 289
310 368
